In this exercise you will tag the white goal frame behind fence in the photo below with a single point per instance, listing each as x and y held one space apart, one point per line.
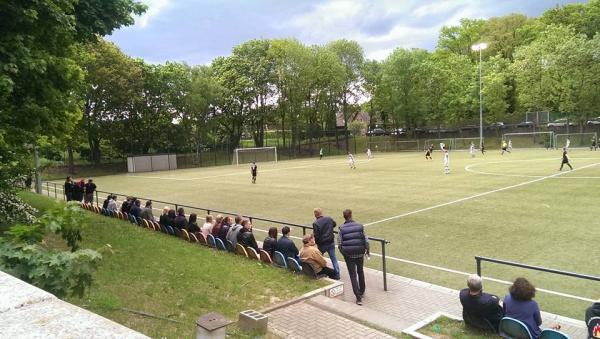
507 136
236 152
458 144
576 135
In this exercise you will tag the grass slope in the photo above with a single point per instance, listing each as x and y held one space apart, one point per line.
164 276
550 222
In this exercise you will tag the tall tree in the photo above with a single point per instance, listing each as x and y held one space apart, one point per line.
459 39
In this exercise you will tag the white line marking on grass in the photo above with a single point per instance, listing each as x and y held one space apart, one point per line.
244 172
477 195
449 270
469 168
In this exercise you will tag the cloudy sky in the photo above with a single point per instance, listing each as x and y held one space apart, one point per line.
197 31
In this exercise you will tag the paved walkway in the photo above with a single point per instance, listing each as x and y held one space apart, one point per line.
405 303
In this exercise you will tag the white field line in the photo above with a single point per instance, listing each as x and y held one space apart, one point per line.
469 168
244 172
449 270
477 195
444 269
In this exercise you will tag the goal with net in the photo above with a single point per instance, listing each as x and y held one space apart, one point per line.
577 140
256 154
394 146
530 140
465 143
449 142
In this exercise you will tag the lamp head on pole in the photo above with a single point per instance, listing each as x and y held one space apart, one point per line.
479 47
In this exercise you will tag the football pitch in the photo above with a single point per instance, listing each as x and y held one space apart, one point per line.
516 207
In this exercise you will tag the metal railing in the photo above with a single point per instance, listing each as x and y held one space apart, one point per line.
58 187
479 259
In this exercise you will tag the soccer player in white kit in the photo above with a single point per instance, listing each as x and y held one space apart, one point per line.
568 143
369 154
446 158
351 161
509 145
472 150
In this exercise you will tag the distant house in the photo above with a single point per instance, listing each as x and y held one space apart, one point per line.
361 116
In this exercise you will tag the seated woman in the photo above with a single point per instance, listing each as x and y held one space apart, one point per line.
180 220
192 225
270 242
225 225
208 226
217 226
519 304
245 237
164 217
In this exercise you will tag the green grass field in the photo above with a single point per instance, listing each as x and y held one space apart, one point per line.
516 207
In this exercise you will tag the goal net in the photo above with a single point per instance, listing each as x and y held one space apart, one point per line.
465 143
530 140
577 140
257 154
394 146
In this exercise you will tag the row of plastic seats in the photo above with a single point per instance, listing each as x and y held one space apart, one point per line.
278 259
513 328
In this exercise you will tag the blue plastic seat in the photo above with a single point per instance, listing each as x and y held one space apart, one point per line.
293 265
513 329
170 230
220 245
279 259
553 334
230 246
177 232
210 240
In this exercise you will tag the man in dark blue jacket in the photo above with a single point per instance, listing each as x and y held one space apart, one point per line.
323 232
480 310
287 246
354 245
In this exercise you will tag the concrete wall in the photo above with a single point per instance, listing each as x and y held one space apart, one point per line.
29 312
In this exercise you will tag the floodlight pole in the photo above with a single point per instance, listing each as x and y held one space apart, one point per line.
479 47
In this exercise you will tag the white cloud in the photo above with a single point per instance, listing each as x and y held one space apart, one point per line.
154 9
351 19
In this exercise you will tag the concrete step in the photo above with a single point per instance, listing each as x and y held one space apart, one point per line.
360 313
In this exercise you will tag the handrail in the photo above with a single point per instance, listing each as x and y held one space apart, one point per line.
382 242
479 259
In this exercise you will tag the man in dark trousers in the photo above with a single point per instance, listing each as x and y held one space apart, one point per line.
323 231
253 170
354 245
480 310
286 246
89 190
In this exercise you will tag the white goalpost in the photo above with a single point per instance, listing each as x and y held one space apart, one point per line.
394 146
577 140
449 142
530 139
379 146
255 154
465 143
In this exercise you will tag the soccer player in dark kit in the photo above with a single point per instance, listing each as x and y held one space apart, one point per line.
565 160
253 170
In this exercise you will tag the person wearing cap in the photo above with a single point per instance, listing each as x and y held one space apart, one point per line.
310 254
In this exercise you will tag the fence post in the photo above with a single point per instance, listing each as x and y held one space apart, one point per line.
48 188
176 208
55 194
384 265
96 191
303 230
478 260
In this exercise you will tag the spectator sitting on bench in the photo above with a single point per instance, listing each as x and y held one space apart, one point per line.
234 230
287 246
592 320
480 310
217 226
112 204
208 226
180 220
192 225
105 203
227 221
245 237
270 242
135 208
147 211
310 254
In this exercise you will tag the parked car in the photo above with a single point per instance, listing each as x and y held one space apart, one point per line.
497 124
562 122
594 122
398 132
526 124
470 127
376 132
